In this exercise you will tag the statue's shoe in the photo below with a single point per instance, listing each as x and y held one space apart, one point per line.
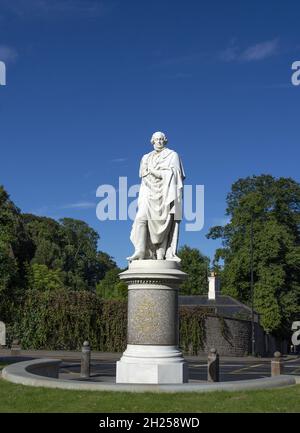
138 255
174 258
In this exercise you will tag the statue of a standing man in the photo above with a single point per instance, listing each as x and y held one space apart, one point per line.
156 226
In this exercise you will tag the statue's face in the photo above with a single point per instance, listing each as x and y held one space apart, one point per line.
158 142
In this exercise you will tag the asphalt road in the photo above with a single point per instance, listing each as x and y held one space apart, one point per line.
242 370
229 370
103 365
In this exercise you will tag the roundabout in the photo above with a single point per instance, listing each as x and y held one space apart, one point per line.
47 373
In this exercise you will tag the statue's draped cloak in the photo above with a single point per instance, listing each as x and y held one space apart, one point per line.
160 201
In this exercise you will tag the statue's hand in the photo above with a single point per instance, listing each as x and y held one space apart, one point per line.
162 168
156 173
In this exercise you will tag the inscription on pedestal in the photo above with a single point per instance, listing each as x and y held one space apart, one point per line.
152 316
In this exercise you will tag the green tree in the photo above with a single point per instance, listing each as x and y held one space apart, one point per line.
272 208
70 246
42 278
79 254
46 239
105 263
14 246
42 254
196 265
111 287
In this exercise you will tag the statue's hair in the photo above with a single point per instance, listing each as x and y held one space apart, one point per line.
158 132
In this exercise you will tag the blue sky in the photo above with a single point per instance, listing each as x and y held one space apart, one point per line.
89 81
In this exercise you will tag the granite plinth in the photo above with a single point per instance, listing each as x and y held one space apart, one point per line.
152 354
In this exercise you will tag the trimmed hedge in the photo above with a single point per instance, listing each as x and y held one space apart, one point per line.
63 319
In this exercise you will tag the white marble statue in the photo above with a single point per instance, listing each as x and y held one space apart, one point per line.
156 226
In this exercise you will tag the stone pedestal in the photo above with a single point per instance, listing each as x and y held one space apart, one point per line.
152 354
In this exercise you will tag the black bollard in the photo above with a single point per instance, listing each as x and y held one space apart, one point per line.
15 348
213 367
85 360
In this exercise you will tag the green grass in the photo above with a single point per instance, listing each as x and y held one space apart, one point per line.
19 398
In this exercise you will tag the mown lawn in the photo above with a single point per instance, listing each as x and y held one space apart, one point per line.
19 398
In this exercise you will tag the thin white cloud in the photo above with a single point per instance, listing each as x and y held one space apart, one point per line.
230 53
253 53
79 205
260 51
49 210
8 54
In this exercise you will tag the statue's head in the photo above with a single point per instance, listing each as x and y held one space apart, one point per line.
159 140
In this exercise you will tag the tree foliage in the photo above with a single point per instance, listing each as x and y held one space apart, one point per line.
111 287
14 247
40 253
68 245
41 278
196 265
272 208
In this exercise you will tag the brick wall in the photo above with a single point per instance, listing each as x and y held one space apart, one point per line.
232 337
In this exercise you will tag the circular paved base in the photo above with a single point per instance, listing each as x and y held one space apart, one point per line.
33 373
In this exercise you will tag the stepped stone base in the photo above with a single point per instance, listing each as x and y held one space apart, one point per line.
152 364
